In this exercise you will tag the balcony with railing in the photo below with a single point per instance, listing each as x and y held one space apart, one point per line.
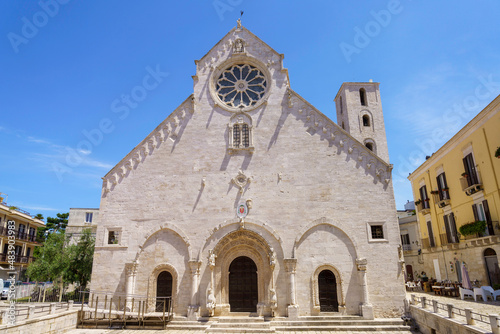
471 182
441 197
406 247
448 241
428 243
18 259
424 206
19 235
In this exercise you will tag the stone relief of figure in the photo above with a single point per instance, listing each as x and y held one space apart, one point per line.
238 22
211 302
211 258
239 46
272 258
273 300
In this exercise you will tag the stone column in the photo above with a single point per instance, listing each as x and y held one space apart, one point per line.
130 275
366 307
273 299
211 301
293 307
195 274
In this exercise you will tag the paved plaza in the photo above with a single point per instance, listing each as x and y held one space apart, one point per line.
113 331
486 308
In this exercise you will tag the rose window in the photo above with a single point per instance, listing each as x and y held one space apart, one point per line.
241 86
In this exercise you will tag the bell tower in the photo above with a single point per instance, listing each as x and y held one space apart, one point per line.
359 113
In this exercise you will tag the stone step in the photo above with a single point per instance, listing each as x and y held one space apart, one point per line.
398 329
331 317
240 319
394 322
240 330
240 325
188 325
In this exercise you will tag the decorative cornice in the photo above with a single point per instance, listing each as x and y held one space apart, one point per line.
169 128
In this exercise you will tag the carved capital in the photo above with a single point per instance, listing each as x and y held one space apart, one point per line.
361 264
195 267
131 269
290 265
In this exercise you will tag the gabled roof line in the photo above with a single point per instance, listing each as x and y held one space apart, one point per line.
388 165
234 30
148 137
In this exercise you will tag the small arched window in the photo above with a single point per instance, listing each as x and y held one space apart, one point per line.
241 135
240 131
366 120
362 96
369 146
343 127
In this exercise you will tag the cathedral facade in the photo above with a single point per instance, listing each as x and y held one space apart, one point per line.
246 198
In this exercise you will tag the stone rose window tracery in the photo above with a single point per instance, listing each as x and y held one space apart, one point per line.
241 86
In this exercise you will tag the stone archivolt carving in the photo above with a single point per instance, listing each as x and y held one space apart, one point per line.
147 146
249 244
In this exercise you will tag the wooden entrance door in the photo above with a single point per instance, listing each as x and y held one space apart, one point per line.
243 293
163 289
327 286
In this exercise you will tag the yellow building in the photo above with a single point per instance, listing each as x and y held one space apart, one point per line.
24 239
459 185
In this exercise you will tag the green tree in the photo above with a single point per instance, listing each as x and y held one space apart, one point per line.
80 257
52 225
50 262
39 216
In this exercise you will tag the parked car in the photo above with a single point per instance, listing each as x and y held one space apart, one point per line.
5 290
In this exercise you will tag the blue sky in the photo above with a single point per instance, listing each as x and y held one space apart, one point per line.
65 67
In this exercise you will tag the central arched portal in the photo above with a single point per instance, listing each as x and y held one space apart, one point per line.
243 287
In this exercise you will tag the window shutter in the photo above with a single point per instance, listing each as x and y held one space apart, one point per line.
489 223
447 227
453 227
476 215
431 234
487 211
444 180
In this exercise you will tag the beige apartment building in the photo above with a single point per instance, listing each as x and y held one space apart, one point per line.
456 191
24 239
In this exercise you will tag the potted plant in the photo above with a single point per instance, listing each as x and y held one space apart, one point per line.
497 152
434 192
473 228
418 201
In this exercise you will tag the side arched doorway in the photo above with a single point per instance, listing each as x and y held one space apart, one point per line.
243 287
409 272
492 269
327 286
163 289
